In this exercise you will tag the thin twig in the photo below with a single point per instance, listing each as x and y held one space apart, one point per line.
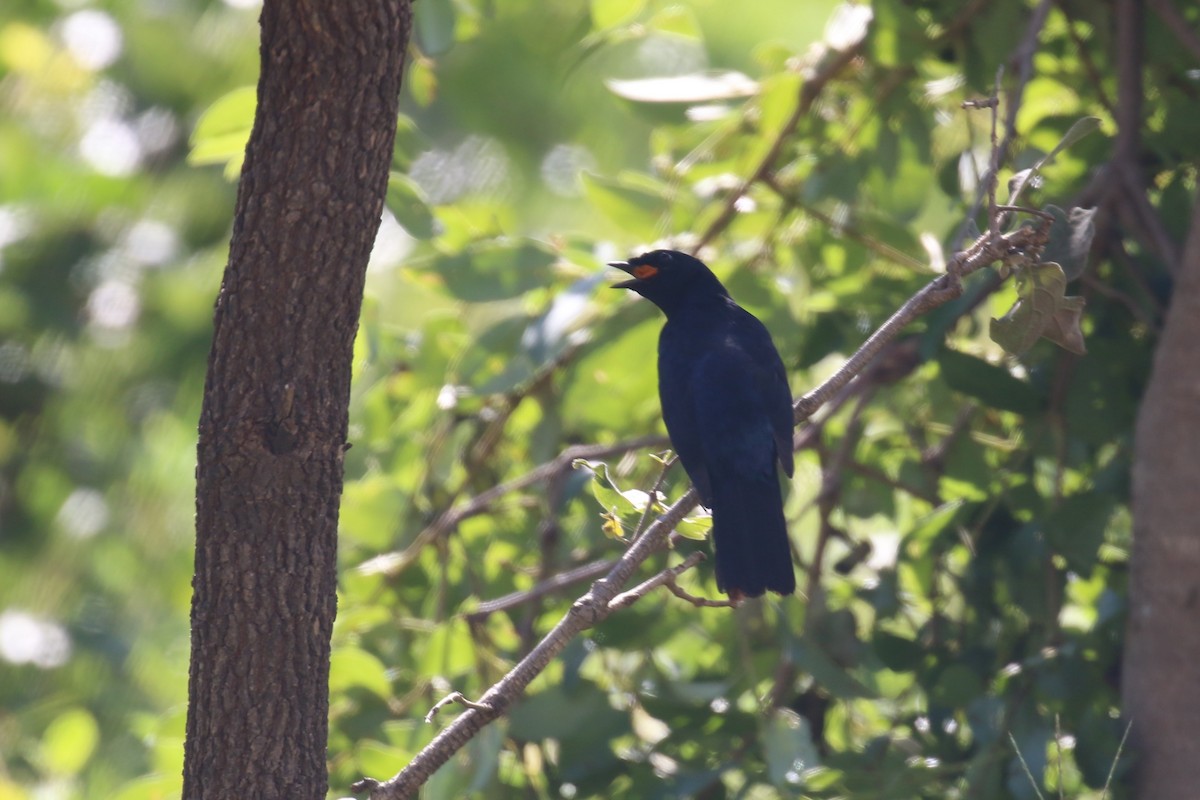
1112 768
700 602
454 697
1178 25
1136 310
1025 766
935 454
1023 56
392 564
552 584
1128 19
993 176
1137 212
879 476
1083 49
881 249
664 578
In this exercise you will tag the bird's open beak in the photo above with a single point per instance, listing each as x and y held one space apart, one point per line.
623 265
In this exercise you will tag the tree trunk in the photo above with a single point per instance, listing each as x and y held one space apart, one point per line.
1161 671
274 416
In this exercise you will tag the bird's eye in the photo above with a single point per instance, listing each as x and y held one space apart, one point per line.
644 271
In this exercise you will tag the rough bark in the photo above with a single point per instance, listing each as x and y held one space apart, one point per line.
274 417
1162 648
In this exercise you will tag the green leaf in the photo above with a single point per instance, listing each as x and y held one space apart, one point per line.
1042 310
233 112
778 99
376 758
1082 127
929 528
896 34
407 204
422 81
228 148
484 750
408 145
810 657
611 13
956 686
433 25
69 742
559 714
223 130
789 749
677 20
449 651
1070 241
370 507
695 526
625 507
495 270
614 382
1018 330
904 184
989 383
1076 528
898 653
637 209
1064 327
351 666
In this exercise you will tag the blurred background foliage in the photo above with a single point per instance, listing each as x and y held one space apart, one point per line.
961 526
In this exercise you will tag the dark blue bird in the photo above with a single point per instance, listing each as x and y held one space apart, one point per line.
728 411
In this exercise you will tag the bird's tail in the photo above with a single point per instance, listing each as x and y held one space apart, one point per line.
750 533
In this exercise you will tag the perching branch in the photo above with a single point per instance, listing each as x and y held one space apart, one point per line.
987 250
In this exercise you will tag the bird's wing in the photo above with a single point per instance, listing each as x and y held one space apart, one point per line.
730 408
770 381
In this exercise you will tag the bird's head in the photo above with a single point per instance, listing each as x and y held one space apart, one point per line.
669 278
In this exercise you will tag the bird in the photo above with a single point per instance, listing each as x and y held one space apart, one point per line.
727 407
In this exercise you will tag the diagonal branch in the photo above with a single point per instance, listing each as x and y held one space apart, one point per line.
808 94
1177 24
938 292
